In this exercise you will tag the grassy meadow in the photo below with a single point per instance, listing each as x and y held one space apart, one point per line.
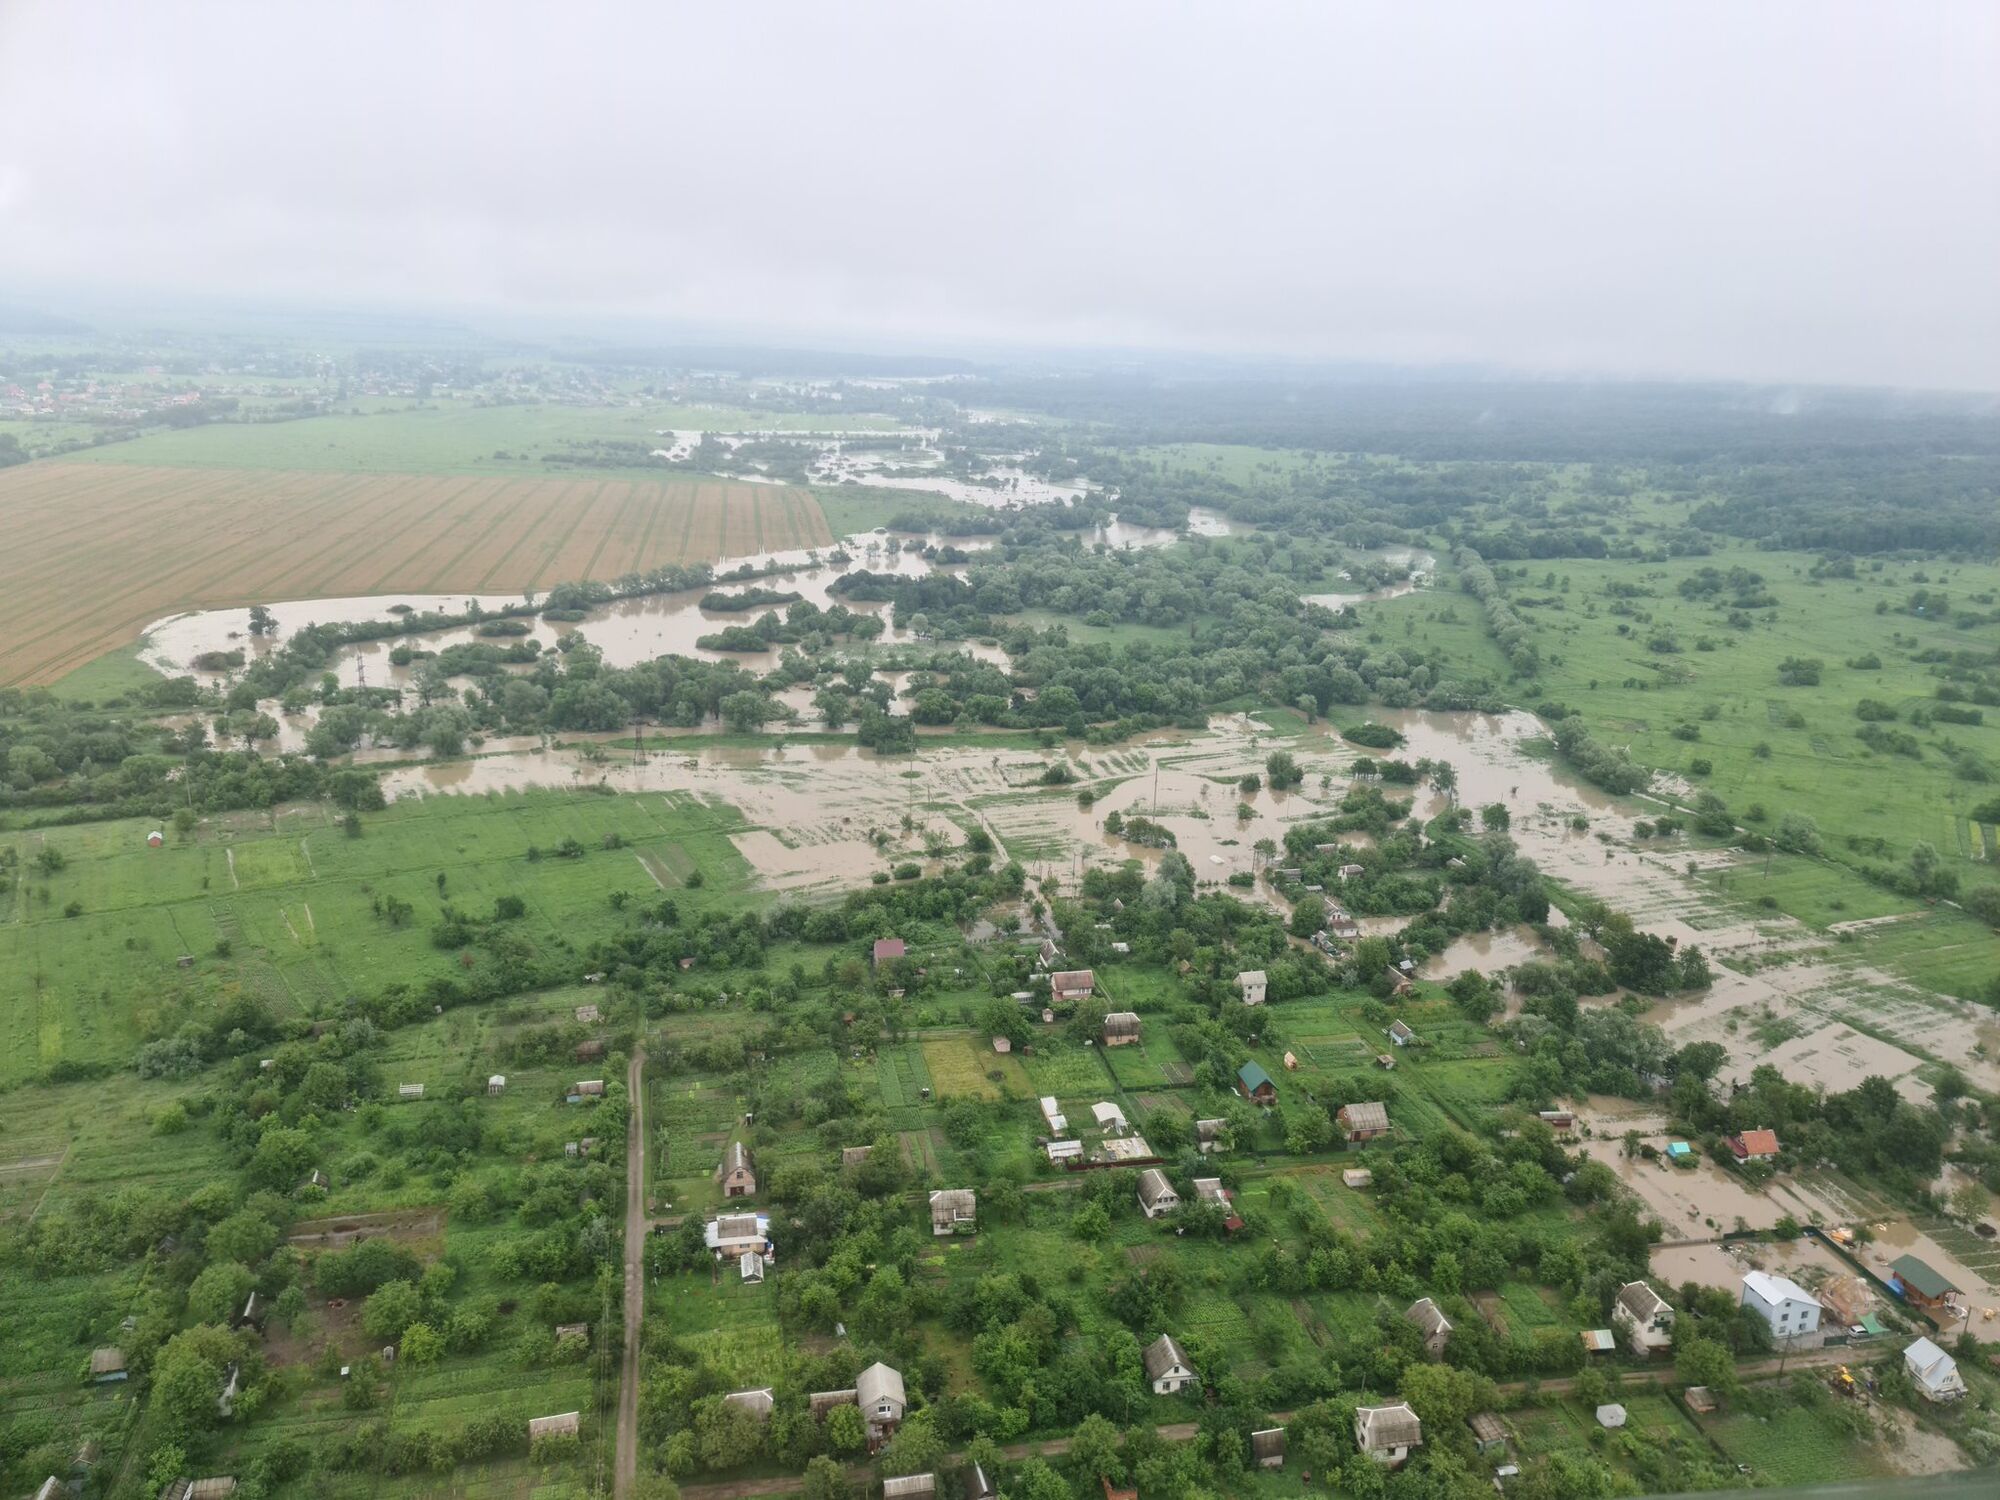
281 905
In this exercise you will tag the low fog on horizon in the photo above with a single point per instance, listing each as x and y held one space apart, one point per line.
1788 192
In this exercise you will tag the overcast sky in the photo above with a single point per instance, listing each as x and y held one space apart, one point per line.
1799 192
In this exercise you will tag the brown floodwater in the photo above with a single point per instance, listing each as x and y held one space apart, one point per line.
1704 1200
1804 1260
1783 994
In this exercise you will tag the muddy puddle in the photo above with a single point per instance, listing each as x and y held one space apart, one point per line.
816 808
1484 952
1975 1275
1783 994
1702 1201
1806 1261
1422 566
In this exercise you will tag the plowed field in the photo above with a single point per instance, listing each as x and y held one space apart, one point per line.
90 554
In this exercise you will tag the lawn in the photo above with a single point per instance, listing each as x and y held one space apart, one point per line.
1794 1446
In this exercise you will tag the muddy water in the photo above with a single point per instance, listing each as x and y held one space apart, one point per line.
1422 566
1839 1008
1485 952
1703 1201
627 631
1897 1237
1783 994
817 806
1805 1261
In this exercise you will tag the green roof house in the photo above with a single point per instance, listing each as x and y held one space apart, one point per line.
1254 1084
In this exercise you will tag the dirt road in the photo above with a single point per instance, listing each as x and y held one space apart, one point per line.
626 1472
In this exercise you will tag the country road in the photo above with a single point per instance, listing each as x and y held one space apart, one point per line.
626 1472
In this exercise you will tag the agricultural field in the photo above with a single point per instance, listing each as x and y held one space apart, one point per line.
282 908
401 437
96 552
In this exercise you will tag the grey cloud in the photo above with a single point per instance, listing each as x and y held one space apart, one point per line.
1787 191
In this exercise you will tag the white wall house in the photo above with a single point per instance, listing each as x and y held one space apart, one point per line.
1791 1312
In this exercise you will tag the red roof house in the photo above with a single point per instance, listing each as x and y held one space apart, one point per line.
1754 1145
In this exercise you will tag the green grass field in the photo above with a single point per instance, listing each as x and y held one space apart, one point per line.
292 899
1810 759
449 437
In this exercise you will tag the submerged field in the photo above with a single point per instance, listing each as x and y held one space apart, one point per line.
96 552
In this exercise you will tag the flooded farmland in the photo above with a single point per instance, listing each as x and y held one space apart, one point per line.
1784 994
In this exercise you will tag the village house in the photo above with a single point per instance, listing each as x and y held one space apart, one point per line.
757 1402
910 1487
1168 1369
588 1014
1131 1148
879 1393
589 1088
1753 1145
1156 1194
1210 1134
1211 1190
1121 1028
1363 1122
1934 1372
1790 1311
954 1211
1488 1436
888 950
1049 953
1342 925
1072 984
562 1424
1352 872
1387 1433
819 1403
1267 1448
1251 985
1254 1084
733 1235
1918 1284
735 1173
1400 1033
1399 984
1644 1318
1060 1151
1109 1116
1430 1320
106 1365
